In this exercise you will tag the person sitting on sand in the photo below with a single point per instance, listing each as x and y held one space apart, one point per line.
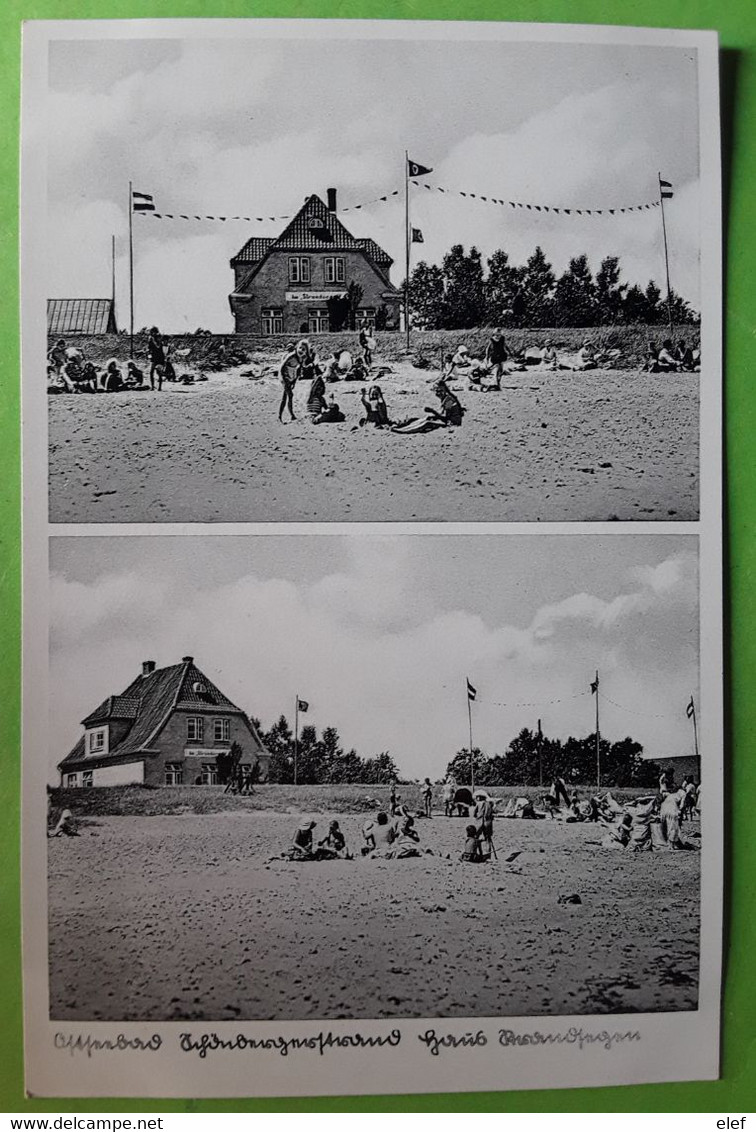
649 362
288 371
134 376
472 852
618 833
549 357
334 844
450 415
379 835
376 409
111 379
65 826
330 414
684 356
331 369
302 847
496 356
586 357
78 377
666 362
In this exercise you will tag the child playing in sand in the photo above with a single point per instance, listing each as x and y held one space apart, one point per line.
472 851
333 844
302 848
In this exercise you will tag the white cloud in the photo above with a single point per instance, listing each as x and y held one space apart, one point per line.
386 669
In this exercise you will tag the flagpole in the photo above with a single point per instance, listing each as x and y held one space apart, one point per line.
296 735
407 247
540 754
112 272
666 254
695 740
131 271
469 721
598 737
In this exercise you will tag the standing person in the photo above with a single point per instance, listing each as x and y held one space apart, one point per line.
427 793
448 795
484 817
496 356
156 354
56 357
365 345
288 371
393 799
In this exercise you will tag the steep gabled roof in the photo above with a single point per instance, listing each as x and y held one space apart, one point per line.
80 316
254 249
149 701
314 228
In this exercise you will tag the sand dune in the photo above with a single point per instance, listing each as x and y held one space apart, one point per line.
182 918
556 446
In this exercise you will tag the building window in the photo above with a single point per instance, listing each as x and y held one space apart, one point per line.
72 780
317 321
87 778
195 728
221 730
299 269
272 320
334 269
366 317
174 774
96 741
209 774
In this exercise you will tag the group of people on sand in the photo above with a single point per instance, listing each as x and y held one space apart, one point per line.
484 373
68 371
671 358
300 363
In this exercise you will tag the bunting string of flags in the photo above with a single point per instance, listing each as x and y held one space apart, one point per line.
577 696
143 203
247 219
547 207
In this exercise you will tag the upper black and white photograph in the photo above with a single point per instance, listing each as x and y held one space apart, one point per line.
371 278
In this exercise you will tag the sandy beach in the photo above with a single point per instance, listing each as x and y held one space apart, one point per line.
185 917
551 446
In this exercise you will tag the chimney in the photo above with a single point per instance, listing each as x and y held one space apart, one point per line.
188 659
148 666
331 199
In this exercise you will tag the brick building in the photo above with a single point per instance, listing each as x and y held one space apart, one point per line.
167 728
283 284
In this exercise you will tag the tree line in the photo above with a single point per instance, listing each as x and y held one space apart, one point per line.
462 293
321 759
532 758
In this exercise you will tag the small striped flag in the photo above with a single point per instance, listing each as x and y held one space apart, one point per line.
595 686
665 188
690 710
472 693
142 202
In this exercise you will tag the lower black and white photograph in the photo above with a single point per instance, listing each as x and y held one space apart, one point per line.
307 777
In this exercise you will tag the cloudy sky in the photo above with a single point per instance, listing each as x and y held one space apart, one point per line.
243 126
379 632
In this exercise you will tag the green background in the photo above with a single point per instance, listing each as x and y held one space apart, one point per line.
734 20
